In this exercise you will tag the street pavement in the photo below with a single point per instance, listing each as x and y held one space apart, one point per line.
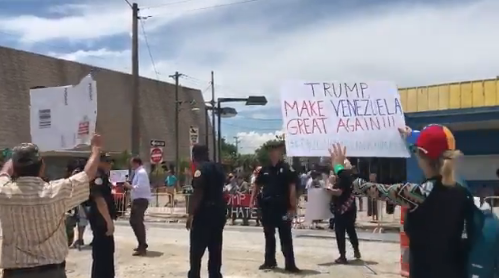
158 212
243 253
299 233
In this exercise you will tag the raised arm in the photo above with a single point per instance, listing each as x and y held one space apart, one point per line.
409 195
77 187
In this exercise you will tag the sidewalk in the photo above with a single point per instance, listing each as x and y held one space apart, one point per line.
385 223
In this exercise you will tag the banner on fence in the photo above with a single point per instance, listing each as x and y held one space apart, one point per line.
238 206
63 118
364 117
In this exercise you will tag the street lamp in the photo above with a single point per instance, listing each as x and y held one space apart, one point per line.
224 112
249 101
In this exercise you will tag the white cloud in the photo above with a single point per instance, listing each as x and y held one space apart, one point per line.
250 141
99 53
94 20
410 44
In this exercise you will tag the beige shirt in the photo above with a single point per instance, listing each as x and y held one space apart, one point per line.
33 218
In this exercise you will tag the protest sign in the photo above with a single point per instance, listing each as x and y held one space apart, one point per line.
364 117
116 176
238 206
63 118
318 205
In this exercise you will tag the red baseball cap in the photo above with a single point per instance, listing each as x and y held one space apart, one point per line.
434 140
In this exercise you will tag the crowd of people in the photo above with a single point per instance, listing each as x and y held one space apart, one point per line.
33 209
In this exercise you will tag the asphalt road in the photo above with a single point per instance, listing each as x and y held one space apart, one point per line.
298 233
243 247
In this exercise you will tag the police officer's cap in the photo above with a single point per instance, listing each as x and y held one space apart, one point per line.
106 157
275 145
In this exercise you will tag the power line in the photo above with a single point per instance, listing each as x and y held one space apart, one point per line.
129 4
167 4
148 48
219 6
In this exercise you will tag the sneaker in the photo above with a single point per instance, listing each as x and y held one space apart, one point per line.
356 254
267 266
341 260
140 252
138 248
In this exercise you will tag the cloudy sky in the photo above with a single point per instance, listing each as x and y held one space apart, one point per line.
253 45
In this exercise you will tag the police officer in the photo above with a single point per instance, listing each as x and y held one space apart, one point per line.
101 215
207 214
278 202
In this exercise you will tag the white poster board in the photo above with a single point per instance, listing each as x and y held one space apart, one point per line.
63 118
318 204
118 176
364 117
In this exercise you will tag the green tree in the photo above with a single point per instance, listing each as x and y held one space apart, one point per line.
247 161
228 152
122 161
262 154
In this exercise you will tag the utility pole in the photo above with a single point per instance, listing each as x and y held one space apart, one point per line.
236 142
213 113
176 76
135 130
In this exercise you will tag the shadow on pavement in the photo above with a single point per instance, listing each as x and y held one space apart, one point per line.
303 272
352 262
153 254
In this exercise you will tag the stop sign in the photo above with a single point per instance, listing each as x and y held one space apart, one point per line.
156 155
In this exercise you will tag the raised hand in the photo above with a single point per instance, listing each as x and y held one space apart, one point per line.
338 154
96 141
405 132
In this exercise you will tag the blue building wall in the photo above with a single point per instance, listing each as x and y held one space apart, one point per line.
470 142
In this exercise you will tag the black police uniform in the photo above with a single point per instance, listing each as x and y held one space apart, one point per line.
274 203
209 219
102 245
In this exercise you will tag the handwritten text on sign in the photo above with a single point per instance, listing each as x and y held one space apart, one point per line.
362 116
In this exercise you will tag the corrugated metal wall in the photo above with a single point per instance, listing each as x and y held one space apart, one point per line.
472 94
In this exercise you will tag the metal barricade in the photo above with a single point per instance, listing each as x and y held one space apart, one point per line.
121 202
376 216
168 204
298 222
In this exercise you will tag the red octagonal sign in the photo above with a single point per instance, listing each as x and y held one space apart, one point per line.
156 155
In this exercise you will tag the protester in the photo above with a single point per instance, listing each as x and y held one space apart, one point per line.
140 193
277 201
243 185
345 214
331 184
254 192
171 183
207 214
438 208
102 214
74 217
372 204
35 245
